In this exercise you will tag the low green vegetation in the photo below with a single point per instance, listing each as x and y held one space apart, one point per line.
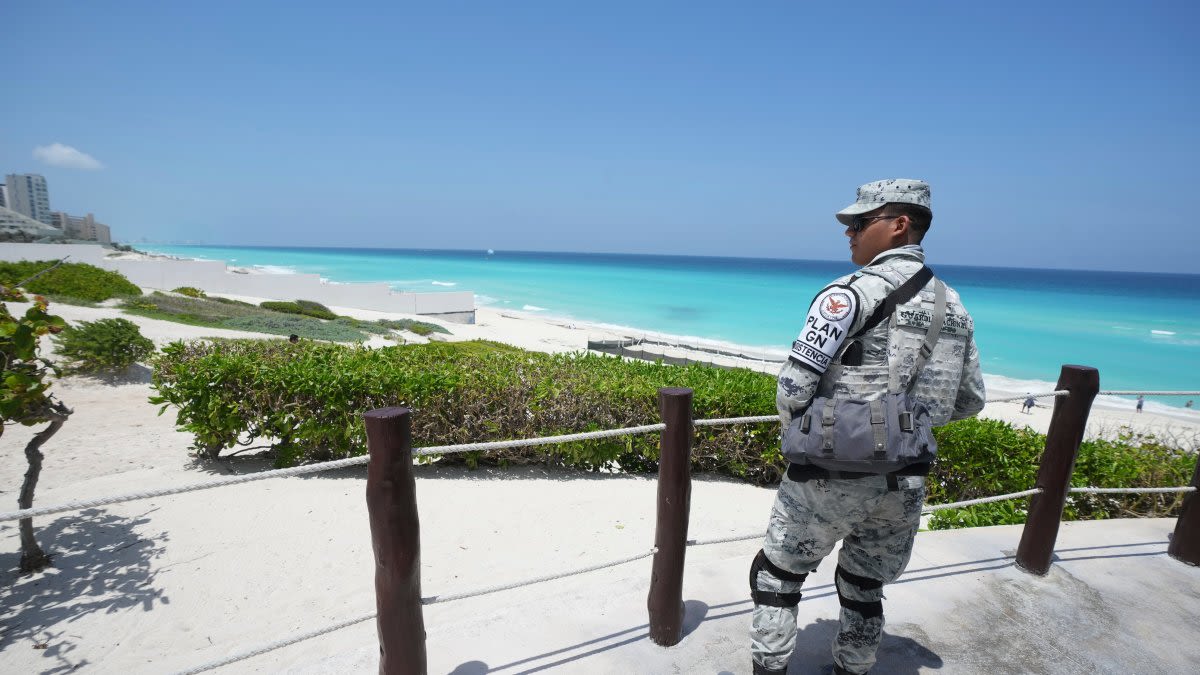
413 326
68 300
70 280
190 291
106 345
307 400
268 318
302 307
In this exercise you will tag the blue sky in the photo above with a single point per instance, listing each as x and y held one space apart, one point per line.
1053 136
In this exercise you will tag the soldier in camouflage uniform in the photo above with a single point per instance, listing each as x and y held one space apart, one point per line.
876 516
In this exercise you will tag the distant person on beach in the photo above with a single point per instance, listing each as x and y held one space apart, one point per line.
1027 406
1188 404
1141 402
884 354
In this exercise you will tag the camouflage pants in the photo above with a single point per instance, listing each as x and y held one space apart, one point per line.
808 519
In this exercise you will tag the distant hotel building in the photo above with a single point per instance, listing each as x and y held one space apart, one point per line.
81 228
27 195
3 199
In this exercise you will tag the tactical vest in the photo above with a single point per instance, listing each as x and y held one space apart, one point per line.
867 415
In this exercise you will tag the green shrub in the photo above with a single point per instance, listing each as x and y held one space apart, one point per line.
103 345
76 280
281 306
310 397
225 313
413 326
190 291
305 307
315 310
304 326
981 458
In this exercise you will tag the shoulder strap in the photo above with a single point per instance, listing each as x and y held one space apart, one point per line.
935 330
901 295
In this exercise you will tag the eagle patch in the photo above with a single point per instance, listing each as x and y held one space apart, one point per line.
829 319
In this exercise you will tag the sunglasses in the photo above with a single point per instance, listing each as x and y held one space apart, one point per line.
860 223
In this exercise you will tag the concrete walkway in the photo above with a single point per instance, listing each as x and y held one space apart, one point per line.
1114 602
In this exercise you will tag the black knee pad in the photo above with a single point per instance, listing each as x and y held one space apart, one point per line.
772 598
867 609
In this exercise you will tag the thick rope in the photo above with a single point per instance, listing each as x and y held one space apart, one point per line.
725 540
1150 393
544 440
930 508
1060 392
1117 491
241 656
193 487
735 420
435 599
314 468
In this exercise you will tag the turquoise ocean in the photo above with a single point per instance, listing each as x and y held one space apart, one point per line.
1142 331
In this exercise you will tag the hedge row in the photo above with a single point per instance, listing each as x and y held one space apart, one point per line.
309 397
307 400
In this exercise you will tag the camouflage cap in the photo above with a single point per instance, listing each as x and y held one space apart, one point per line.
893 190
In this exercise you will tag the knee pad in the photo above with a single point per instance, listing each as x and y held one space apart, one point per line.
866 609
772 598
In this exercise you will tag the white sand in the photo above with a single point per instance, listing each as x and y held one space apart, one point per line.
164 584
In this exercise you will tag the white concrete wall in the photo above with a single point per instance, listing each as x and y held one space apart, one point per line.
215 277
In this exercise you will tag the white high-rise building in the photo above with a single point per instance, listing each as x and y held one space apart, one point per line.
27 195
3 197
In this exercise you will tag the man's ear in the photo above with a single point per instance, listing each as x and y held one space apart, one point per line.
901 229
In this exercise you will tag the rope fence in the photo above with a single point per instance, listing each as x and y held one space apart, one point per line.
316 468
1048 394
1149 393
435 599
1117 491
544 440
469 447
279 644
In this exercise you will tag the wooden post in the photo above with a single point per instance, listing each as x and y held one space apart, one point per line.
1058 462
396 540
1185 543
665 601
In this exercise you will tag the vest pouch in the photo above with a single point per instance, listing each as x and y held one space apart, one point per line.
876 436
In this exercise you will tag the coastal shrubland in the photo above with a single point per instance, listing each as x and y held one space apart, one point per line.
219 312
303 307
190 291
66 281
305 401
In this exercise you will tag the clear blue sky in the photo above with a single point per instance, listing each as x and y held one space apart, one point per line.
1054 134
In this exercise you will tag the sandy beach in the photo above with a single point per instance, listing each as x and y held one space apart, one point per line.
164 584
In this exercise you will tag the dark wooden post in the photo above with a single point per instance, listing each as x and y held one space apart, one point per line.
1185 543
1058 462
396 539
665 601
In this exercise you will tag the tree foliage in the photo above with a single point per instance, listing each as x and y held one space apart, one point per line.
24 398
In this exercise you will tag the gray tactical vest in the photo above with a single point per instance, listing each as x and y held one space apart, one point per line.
887 427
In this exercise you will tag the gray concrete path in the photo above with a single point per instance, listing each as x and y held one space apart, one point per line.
1114 602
